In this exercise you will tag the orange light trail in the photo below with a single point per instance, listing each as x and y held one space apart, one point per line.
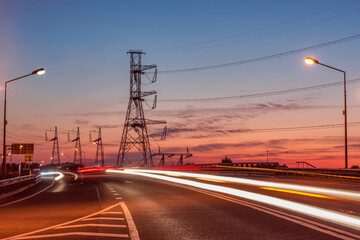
211 180
299 193
173 175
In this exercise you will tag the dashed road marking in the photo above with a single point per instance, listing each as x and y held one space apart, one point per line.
116 194
118 198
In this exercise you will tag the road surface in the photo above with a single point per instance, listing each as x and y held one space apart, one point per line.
117 205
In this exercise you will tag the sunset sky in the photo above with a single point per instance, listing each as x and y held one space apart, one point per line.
82 45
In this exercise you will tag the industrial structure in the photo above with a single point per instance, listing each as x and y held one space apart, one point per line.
135 132
55 155
99 160
77 149
164 154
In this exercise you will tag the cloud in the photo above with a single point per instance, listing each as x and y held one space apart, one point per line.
93 114
28 127
107 126
81 122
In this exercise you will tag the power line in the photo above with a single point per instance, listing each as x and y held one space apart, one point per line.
271 34
264 94
337 125
295 128
263 58
256 30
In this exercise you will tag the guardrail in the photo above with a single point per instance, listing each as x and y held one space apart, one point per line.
349 174
14 185
230 170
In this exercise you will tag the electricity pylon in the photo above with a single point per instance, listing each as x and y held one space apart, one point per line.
99 147
135 133
77 146
55 155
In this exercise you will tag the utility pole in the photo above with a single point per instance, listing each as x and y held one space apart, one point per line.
135 133
55 155
77 146
99 147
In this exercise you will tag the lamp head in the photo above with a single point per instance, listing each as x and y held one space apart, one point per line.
310 60
39 71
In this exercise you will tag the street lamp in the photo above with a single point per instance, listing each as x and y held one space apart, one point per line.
310 60
63 154
39 71
76 149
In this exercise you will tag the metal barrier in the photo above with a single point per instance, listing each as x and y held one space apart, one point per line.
14 185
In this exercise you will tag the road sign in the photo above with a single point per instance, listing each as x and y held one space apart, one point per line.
29 158
22 148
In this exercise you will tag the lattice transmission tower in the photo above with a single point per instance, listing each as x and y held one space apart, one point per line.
99 147
55 155
135 133
77 149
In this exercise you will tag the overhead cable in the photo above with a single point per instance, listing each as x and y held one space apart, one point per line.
263 94
277 55
256 30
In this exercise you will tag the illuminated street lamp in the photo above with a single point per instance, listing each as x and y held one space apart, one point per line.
39 71
63 154
76 149
310 60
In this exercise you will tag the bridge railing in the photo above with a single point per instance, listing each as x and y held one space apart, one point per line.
13 185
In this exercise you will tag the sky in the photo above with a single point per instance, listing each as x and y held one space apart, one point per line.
83 46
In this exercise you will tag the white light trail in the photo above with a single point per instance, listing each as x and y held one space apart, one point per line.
60 175
353 195
328 215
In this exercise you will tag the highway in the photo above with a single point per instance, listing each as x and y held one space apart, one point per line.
171 205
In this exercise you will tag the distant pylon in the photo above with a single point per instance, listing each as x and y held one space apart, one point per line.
135 133
77 149
55 155
99 147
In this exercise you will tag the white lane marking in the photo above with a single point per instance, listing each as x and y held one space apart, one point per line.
33 195
78 234
103 218
118 198
113 191
112 213
116 194
134 235
9 194
92 225
61 224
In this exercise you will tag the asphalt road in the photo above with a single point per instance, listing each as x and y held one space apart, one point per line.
123 206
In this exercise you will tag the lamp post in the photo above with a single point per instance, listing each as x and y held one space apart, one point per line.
63 154
310 60
76 149
39 71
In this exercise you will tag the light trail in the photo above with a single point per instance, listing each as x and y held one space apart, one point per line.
211 180
327 215
60 175
332 192
298 193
